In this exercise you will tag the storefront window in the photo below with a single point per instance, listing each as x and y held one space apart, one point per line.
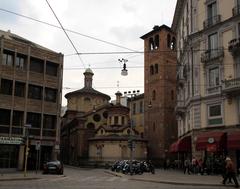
8 156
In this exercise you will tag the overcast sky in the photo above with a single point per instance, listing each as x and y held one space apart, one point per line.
121 22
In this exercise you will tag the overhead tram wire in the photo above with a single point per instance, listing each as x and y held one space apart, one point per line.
69 30
142 52
66 33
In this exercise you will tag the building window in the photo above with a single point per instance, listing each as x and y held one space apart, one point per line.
115 120
141 107
5 117
151 44
49 121
151 70
51 68
168 41
8 58
20 62
215 114
34 119
36 65
134 108
97 117
239 24
214 77
50 95
154 127
172 94
35 92
156 68
212 10
18 118
212 43
123 120
90 126
156 41
237 67
105 114
19 89
87 100
173 43
6 86
154 95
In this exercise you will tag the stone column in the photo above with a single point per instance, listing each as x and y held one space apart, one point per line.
21 157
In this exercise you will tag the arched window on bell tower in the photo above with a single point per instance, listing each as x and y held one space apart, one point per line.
173 43
156 41
154 95
151 44
168 40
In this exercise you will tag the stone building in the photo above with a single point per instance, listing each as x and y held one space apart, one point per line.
208 100
30 94
159 91
96 131
111 141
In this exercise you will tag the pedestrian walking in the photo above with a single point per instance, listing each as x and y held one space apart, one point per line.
187 166
230 172
194 165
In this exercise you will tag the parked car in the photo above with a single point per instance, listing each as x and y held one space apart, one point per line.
53 167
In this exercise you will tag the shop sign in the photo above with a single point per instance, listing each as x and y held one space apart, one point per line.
211 147
11 140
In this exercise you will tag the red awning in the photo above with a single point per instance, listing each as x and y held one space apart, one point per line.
182 145
211 141
233 141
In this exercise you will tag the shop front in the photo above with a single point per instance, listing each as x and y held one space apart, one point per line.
214 148
10 152
233 146
182 149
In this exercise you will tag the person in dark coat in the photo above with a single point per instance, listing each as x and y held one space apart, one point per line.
230 172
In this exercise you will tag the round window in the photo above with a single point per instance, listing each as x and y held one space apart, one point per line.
90 126
97 117
105 114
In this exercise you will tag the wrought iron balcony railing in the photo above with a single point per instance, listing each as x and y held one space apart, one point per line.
236 10
211 21
212 54
234 46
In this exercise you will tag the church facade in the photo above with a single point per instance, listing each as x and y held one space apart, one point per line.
96 131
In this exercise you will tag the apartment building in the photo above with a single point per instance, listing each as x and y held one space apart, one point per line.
136 105
208 90
30 101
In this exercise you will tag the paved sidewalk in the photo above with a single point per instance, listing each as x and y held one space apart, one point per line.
175 177
19 175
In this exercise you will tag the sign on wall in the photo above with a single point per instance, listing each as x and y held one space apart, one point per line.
11 140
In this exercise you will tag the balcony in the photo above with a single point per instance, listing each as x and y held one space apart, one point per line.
214 89
231 86
211 21
211 55
234 47
236 10
180 108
